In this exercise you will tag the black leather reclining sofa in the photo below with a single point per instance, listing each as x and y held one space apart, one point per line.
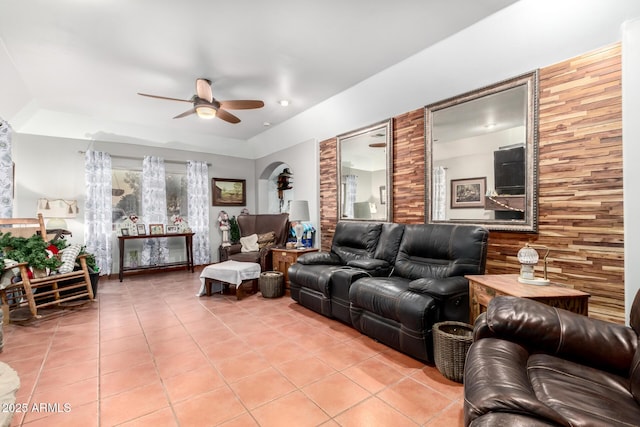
393 282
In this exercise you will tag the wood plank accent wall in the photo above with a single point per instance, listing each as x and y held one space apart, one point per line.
328 191
408 168
580 181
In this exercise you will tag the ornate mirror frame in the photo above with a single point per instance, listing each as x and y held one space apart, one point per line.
475 190
366 155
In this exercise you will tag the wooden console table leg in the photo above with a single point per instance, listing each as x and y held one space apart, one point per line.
121 248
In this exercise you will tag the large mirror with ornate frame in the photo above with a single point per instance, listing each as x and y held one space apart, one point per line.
365 159
481 157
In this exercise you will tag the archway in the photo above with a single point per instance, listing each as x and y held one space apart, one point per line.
268 200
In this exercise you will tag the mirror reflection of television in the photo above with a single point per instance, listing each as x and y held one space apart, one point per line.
509 176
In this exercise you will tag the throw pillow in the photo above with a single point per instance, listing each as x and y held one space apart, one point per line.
68 258
266 239
249 243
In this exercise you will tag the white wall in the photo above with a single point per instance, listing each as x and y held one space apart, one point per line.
303 162
527 35
52 167
631 157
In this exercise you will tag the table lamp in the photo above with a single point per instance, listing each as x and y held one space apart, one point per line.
299 212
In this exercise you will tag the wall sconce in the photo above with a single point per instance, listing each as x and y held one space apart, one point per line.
528 258
56 210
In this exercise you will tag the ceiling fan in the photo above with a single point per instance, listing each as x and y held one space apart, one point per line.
206 106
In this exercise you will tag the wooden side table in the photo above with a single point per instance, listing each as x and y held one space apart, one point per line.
284 258
483 288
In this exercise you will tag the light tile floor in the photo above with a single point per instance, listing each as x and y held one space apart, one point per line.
149 352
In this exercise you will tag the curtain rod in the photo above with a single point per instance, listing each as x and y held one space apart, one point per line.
179 162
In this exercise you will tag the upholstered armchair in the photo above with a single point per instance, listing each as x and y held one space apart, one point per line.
259 233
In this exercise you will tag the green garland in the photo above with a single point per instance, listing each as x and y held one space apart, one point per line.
31 250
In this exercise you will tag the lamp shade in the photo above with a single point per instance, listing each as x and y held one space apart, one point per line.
299 210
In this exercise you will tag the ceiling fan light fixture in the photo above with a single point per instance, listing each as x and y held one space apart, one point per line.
206 112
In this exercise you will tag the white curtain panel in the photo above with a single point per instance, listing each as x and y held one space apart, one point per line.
439 193
198 208
154 209
351 187
6 171
97 208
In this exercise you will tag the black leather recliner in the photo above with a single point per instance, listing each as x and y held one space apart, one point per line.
427 286
355 251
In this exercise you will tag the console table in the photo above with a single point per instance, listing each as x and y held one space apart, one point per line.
483 288
188 240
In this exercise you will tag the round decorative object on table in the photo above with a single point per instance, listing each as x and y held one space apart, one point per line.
271 284
451 341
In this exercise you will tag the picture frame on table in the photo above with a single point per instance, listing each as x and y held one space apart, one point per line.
468 193
142 230
228 192
172 229
156 229
124 231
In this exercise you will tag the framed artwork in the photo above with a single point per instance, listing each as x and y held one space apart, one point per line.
468 193
172 229
124 231
228 192
156 229
141 229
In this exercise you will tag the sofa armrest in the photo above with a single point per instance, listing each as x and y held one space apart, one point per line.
440 288
541 328
369 264
225 251
323 258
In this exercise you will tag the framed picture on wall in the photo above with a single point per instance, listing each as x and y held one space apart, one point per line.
228 192
468 193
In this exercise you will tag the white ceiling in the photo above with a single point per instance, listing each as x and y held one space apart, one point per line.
72 68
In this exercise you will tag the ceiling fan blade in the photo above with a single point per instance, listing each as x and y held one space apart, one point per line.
164 97
241 104
186 113
203 89
227 116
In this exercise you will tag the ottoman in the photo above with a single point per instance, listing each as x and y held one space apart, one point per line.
242 275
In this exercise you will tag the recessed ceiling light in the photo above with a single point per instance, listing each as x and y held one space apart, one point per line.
266 124
284 102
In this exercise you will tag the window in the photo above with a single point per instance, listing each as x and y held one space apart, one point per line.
127 190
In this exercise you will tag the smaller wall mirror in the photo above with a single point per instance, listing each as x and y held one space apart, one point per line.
365 159
481 154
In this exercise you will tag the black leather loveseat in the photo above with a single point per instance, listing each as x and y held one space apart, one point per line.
534 365
392 281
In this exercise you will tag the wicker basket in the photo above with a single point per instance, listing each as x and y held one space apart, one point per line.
451 341
271 284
